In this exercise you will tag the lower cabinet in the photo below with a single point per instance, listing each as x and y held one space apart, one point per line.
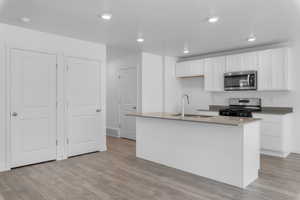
275 134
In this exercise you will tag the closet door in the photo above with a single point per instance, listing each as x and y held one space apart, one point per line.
83 105
33 107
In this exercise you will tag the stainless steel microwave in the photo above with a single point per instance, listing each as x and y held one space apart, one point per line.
243 80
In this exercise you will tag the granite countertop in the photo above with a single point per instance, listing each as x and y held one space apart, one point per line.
222 120
264 110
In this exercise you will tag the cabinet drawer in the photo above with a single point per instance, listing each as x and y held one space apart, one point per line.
271 143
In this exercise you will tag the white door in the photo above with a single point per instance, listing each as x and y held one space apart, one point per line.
33 107
83 106
128 99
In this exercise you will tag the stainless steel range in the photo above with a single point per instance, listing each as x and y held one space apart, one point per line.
241 107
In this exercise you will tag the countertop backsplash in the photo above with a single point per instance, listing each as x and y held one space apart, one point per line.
201 99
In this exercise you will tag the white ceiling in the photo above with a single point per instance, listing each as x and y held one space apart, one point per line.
166 25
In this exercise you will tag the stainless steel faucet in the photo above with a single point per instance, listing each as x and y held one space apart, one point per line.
183 102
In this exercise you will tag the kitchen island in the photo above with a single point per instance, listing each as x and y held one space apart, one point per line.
225 149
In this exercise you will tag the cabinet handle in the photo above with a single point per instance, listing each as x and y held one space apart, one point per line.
98 110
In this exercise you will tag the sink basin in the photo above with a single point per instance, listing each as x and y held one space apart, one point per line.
192 115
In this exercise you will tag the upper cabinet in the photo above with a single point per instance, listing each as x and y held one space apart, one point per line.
214 73
190 68
274 72
272 65
242 62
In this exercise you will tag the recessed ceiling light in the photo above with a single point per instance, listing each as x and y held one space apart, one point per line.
186 51
106 16
213 19
25 19
252 38
140 39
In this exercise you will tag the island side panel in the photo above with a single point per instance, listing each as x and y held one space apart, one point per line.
209 150
251 152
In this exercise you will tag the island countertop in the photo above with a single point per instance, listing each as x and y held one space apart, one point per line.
222 120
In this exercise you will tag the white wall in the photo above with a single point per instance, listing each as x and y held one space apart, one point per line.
117 58
172 87
14 36
2 109
152 83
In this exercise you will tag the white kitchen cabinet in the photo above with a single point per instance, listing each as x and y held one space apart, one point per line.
190 68
275 134
242 62
214 69
273 73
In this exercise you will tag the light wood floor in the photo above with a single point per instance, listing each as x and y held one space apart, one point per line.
117 174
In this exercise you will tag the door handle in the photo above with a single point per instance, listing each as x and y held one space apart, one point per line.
98 110
134 107
14 114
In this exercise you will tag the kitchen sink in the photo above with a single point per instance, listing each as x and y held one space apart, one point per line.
192 115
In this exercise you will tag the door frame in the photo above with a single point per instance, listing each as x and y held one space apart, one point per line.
8 74
119 93
65 96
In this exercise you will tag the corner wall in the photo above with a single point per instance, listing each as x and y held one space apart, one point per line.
152 83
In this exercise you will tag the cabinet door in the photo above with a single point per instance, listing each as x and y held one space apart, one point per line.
265 70
250 61
279 69
190 68
273 69
242 62
197 67
182 69
214 74
234 63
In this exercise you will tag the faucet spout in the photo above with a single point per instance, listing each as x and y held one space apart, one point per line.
183 103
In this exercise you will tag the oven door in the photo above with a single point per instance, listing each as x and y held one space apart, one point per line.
236 81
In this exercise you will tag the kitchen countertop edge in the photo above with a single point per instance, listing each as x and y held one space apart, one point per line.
212 120
264 111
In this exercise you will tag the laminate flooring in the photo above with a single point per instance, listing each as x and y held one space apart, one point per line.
118 175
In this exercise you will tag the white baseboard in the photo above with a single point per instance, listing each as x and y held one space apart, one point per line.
113 132
274 153
4 169
297 151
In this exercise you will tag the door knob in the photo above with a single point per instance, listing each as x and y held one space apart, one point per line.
14 114
98 110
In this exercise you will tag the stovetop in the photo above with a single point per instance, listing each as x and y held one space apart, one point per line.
236 112
241 107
